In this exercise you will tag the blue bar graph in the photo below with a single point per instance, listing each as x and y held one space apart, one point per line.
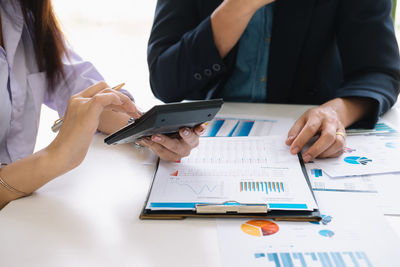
383 127
216 127
316 172
233 130
267 187
325 259
243 128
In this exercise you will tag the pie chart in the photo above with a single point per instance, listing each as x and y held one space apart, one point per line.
260 228
357 160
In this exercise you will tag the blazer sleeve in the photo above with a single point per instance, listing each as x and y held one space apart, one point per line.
369 53
182 57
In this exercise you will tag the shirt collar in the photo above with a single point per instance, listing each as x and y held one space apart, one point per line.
12 25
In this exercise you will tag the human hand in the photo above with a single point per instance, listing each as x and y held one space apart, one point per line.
323 121
82 118
173 149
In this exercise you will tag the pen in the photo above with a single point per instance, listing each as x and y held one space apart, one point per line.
57 124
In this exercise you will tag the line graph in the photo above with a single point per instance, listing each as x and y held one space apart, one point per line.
197 187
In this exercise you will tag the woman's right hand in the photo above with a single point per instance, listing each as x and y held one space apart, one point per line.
69 148
229 21
82 119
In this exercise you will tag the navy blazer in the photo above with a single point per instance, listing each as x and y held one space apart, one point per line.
320 50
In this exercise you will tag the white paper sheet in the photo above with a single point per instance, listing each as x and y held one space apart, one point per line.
364 155
388 187
352 233
381 128
320 181
252 170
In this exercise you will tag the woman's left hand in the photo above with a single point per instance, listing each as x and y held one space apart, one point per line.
328 123
323 121
173 149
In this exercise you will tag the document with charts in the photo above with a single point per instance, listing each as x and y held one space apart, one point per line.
251 170
352 233
364 155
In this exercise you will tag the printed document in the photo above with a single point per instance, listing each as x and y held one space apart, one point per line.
364 156
251 170
352 233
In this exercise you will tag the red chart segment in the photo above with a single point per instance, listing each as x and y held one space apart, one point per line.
260 228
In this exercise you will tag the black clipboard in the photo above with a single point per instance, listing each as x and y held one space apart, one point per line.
233 211
167 119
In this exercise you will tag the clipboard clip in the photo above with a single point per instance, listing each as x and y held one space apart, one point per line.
231 207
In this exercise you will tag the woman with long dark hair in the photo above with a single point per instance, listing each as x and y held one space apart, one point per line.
37 66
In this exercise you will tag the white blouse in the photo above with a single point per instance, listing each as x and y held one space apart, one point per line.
24 88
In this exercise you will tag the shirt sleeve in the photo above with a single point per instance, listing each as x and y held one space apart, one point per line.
78 75
370 55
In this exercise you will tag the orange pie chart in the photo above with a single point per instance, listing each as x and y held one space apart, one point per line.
260 228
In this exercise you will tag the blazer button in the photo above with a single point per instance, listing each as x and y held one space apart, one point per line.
216 67
207 72
197 76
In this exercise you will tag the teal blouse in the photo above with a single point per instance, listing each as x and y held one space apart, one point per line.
248 82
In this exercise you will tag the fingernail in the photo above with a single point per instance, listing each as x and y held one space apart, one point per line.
290 138
307 158
186 132
156 138
295 150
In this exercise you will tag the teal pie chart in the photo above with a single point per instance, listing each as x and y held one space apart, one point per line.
357 160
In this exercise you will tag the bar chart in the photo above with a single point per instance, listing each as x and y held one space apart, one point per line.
230 127
262 186
324 259
316 172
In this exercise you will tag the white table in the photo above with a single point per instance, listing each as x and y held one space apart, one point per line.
89 216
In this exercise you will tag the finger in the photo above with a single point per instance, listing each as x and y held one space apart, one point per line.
310 129
336 149
200 129
160 150
295 130
190 137
94 89
120 108
324 142
179 147
100 101
142 143
337 154
128 105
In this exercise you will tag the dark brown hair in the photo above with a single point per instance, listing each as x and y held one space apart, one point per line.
48 38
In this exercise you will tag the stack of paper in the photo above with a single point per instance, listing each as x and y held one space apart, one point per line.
353 192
